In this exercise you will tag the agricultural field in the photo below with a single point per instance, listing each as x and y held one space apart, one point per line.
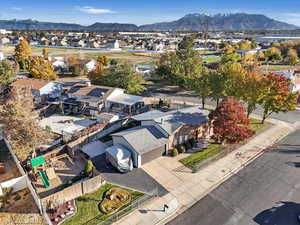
131 57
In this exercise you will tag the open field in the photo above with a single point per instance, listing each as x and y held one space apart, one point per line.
131 57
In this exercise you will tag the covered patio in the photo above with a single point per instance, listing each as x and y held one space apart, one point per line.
125 104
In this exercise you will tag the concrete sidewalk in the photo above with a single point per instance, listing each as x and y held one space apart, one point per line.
186 188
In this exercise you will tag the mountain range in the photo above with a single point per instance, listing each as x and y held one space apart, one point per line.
196 21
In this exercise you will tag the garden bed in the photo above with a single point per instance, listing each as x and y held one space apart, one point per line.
114 199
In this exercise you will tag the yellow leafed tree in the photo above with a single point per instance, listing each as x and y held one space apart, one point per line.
41 69
45 53
23 54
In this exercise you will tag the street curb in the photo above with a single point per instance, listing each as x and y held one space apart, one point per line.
226 177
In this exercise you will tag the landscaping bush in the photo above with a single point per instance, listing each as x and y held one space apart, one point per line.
174 152
181 149
193 142
7 191
4 198
188 145
88 168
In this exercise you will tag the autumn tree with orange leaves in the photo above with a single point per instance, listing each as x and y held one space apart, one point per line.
230 123
277 95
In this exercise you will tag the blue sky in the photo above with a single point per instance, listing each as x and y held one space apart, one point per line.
141 11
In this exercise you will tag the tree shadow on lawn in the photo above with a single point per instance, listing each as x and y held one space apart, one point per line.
284 213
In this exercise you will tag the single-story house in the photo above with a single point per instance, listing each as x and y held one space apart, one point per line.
91 97
90 65
178 125
41 89
160 131
144 142
58 63
96 98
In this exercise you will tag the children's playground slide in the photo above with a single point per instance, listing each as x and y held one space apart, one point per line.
44 178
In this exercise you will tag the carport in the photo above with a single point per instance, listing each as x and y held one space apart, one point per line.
94 149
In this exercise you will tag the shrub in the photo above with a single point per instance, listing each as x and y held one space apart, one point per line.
174 152
88 168
181 149
188 145
193 142
7 191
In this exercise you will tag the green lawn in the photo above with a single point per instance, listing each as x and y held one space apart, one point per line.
87 207
194 159
257 125
212 59
214 149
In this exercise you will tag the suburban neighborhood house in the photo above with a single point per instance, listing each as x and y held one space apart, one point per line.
42 90
93 98
159 132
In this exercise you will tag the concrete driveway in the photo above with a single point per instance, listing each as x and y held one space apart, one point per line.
137 179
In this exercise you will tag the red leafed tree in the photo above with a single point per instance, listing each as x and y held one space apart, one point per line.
230 122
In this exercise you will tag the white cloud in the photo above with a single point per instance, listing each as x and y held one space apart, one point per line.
293 15
92 10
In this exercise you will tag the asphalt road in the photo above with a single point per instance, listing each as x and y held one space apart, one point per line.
176 93
267 192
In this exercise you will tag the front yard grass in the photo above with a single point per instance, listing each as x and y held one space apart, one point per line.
193 160
196 158
88 206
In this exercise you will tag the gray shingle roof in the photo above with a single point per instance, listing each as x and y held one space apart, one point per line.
171 121
143 138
